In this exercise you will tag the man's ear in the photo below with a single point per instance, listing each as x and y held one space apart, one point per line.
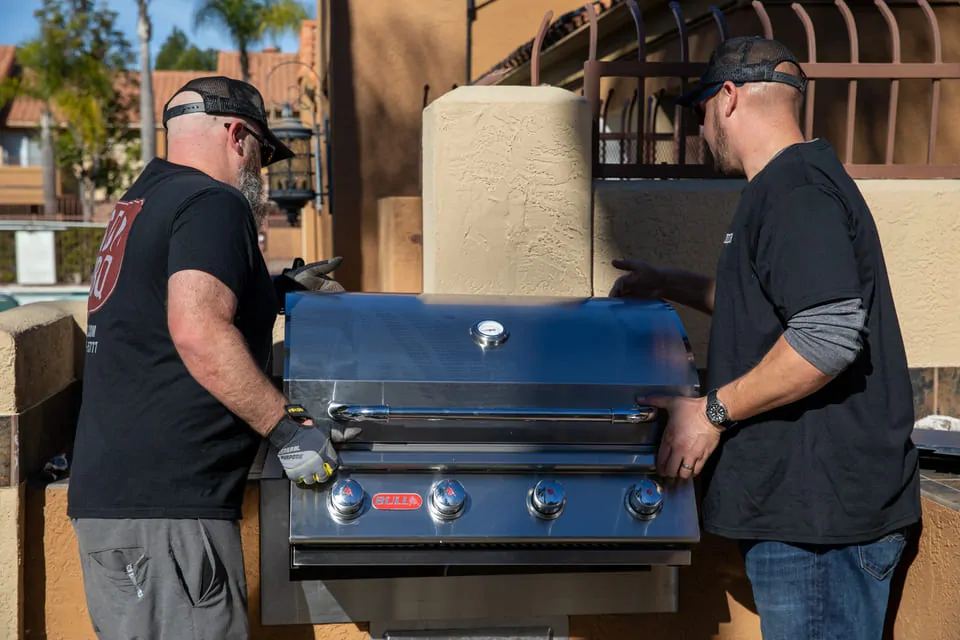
730 93
235 137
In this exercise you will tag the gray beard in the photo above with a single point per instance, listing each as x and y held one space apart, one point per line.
251 186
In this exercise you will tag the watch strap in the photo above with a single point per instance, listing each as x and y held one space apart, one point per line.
713 402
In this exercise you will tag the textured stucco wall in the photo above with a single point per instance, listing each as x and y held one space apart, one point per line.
33 341
668 224
682 224
506 192
11 561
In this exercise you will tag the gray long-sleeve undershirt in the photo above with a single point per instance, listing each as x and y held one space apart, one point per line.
828 336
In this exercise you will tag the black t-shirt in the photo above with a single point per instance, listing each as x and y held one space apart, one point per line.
151 441
838 466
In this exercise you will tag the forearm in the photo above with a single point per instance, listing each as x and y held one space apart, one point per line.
783 376
216 355
689 289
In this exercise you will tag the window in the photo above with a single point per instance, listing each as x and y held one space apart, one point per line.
20 148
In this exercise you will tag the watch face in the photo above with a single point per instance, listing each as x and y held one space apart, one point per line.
715 413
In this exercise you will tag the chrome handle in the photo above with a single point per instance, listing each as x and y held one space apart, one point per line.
385 413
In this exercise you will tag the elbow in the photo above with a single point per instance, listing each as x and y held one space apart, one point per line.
192 341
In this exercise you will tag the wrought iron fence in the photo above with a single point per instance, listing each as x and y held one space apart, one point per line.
636 149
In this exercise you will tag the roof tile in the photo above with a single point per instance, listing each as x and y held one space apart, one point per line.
261 65
24 112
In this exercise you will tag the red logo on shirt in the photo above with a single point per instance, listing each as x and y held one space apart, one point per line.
106 271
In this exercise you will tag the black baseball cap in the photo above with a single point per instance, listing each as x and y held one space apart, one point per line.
224 96
742 60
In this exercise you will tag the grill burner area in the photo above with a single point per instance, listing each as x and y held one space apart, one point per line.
502 440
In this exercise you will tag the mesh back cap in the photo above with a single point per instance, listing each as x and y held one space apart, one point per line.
224 96
745 59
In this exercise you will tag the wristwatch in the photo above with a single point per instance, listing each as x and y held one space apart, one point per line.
717 413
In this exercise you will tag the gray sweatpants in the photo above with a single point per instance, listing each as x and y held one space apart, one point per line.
164 579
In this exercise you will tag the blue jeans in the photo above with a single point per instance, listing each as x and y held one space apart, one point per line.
806 592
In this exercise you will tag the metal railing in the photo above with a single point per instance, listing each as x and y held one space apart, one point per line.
638 150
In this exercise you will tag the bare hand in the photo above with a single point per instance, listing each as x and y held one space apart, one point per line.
688 439
643 281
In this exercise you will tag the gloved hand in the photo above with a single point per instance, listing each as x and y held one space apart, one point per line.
306 277
306 451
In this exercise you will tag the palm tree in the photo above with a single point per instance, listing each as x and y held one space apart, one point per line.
148 123
250 21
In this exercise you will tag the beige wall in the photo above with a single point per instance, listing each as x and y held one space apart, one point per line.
382 54
506 192
504 25
400 239
681 224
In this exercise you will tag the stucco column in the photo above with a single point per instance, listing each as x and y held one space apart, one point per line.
507 192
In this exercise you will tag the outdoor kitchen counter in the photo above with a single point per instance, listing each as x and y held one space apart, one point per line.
715 600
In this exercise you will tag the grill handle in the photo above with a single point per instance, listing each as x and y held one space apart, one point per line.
384 413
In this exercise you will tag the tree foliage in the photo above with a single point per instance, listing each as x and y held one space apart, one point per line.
251 21
97 145
177 54
77 66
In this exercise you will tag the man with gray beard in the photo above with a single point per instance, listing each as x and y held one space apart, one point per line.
175 399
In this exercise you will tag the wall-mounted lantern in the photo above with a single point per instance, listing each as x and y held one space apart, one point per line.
294 182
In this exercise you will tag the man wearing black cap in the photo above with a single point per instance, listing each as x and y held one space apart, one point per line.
804 436
175 399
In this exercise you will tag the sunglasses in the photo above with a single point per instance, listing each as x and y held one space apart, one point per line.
266 149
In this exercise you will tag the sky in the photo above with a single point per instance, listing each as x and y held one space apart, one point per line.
17 23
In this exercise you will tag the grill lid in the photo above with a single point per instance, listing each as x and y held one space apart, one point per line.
419 361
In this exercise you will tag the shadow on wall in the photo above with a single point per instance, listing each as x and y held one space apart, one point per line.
383 58
668 223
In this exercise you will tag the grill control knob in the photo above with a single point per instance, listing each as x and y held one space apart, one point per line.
447 499
645 499
547 499
346 498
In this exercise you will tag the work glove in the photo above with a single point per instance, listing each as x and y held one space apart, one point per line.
306 277
306 451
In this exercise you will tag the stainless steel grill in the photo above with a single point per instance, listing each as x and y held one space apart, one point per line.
503 449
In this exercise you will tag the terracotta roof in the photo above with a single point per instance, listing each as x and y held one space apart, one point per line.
6 59
261 63
25 112
558 30
165 84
